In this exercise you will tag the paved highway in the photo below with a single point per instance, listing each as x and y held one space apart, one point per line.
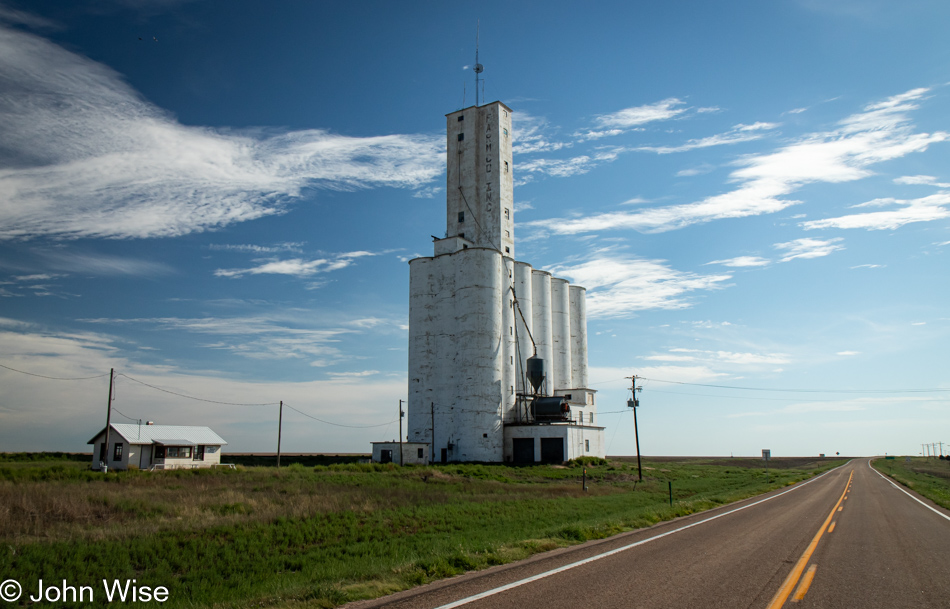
848 538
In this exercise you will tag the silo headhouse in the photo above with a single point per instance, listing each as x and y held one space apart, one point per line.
497 349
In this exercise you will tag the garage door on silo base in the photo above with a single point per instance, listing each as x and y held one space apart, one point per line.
523 449
552 450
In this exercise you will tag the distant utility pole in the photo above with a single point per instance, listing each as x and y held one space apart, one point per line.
400 432
634 403
105 456
280 426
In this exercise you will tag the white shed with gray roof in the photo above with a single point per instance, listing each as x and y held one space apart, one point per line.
151 446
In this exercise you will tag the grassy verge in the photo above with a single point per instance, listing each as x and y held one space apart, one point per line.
321 536
929 477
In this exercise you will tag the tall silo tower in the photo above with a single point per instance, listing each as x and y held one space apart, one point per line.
476 315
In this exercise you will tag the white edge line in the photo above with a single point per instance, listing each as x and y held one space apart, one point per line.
935 511
590 559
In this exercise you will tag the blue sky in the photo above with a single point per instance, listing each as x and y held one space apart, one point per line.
219 199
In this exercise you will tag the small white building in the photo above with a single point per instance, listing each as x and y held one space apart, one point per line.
159 446
413 453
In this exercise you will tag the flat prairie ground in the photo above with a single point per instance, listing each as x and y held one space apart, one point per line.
928 476
323 535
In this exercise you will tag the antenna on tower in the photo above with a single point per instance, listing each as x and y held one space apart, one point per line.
479 68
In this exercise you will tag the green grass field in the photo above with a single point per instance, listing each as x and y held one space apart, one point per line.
325 535
929 477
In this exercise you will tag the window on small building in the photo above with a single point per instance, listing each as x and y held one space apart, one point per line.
506 132
419 450
461 136
461 216
178 452
462 235
587 446
507 214
507 250
117 452
592 418
508 234
580 417
199 453
506 166
159 452
461 118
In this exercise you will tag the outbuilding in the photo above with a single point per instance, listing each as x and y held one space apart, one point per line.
413 453
151 446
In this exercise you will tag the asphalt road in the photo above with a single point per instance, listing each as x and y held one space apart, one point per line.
848 538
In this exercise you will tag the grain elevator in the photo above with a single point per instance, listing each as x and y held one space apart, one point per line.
497 349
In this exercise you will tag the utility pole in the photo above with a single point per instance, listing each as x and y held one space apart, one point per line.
432 450
280 425
400 432
105 457
634 403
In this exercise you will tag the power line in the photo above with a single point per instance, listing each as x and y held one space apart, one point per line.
785 390
337 424
780 390
56 378
116 410
191 397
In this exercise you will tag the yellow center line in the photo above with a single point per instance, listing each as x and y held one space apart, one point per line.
805 584
782 595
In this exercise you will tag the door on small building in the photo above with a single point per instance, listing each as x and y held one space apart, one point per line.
385 456
552 450
445 455
523 450
145 458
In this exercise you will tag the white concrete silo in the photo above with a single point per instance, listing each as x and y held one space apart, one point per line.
561 334
541 316
578 303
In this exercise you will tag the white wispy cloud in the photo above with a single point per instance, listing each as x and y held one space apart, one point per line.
86 156
103 264
620 285
532 134
881 132
257 249
717 357
641 115
695 171
429 192
808 248
847 353
743 261
562 168
924 209
921 180
298 267
255 337
737 135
